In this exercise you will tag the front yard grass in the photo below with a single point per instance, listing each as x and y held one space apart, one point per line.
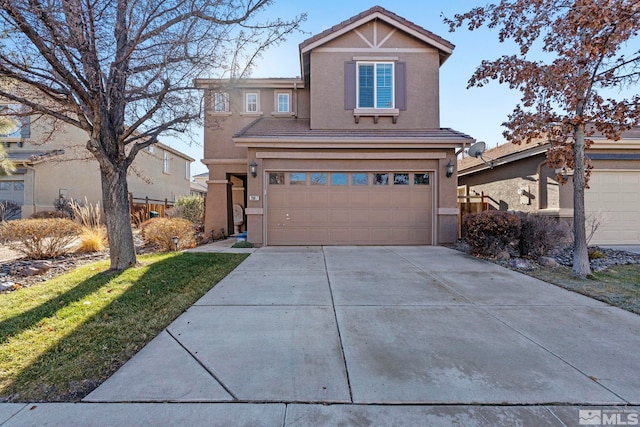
619 285
62 338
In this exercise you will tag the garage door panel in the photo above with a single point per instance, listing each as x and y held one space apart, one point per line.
339 198
380 216
318 235
360 198
379 235
340 217
338 214
613 198
320 217
381 197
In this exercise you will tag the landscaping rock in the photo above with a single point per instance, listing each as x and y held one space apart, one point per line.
7 286
503 256
521 264
546 261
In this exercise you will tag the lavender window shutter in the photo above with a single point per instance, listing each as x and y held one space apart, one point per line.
350 85
401 85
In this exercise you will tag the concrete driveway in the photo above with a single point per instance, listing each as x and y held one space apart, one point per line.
380 336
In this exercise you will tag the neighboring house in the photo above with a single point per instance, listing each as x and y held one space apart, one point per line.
53 164
520 180
351 153
199 184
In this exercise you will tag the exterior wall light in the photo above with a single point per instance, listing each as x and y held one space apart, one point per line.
253 168
449 169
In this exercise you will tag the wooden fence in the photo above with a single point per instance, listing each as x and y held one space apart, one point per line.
469 203
142 208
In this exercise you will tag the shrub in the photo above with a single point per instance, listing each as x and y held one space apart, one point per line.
541 235
86 214
94 235
40 238
49 215
242 245
64 205
190 208
92 239
159 232
491 232
9 210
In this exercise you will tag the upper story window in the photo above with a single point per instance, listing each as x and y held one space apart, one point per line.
187 170
15 127
375 87
220 102
251 102
283 103
165 162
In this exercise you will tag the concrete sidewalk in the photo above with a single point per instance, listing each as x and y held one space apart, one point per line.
372 336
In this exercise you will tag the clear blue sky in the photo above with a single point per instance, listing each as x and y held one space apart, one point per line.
478 112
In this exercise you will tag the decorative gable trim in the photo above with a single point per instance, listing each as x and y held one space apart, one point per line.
377 12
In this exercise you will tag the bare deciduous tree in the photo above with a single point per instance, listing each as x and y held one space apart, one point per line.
587 49
123 71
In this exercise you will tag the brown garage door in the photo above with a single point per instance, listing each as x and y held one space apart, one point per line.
349 208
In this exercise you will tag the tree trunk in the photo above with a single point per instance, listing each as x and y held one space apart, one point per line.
581 267
115 196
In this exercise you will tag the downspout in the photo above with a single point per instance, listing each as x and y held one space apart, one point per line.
295 98
33 187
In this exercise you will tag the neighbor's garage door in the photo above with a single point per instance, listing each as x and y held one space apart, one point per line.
349 208
614 197
12 190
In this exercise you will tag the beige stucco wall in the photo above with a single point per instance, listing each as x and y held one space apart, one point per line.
76 173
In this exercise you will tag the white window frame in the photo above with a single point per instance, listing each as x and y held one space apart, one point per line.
247 103
277 96
187 170
165 162
220 102
375 86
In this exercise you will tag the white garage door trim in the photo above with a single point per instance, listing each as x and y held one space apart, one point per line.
432 187
614 195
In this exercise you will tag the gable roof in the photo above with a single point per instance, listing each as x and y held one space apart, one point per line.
501 154
378 12
445 47
509 152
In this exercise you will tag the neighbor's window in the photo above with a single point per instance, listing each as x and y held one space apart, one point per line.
251 102
375 85
187 170
15 127
165 162
283 103
220 102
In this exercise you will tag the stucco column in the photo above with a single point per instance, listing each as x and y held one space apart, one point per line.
447 202
216 215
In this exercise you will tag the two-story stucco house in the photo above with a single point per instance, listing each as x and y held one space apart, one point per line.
54 162
351 153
